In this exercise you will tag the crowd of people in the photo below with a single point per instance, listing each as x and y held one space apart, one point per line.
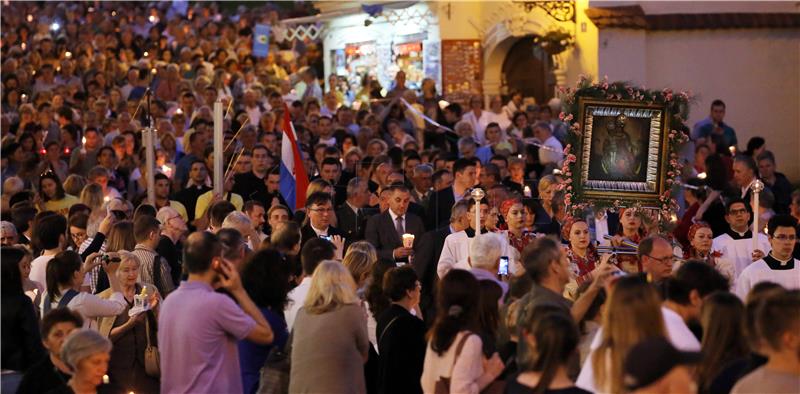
390 278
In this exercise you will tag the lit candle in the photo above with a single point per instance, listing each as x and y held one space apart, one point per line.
732 149
30 18
701 175
528 191
106 380
106 198
152 19
146 54
67 54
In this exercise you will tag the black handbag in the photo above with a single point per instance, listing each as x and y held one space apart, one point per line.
274 375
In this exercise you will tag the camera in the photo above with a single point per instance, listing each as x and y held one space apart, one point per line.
108 259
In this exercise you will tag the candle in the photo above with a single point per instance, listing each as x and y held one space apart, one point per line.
701 175
756 187
732 149
528 191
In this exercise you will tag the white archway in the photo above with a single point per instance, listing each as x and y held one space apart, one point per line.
501 36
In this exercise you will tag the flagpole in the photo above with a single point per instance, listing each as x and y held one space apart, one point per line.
218 151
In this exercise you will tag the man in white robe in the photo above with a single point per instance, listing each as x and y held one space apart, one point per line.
736 245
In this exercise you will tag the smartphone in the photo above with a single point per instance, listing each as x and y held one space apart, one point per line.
327 237
619 274
503 270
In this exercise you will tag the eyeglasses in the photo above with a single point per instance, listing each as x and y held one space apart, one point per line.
785 237
662 260
737 212
322 210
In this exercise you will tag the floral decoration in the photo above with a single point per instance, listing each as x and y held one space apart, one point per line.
555 41
677 104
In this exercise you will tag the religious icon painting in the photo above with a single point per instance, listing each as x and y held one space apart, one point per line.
622 154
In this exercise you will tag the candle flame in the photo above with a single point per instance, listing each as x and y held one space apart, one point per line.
702 175
83 140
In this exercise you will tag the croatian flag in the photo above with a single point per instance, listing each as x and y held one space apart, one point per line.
294 180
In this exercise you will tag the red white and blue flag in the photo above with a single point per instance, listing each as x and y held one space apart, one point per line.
294 180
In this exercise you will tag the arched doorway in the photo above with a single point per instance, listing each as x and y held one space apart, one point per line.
528 68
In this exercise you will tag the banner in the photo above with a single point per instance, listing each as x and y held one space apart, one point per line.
261 40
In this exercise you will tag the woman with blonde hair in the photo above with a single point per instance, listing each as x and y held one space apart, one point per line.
131 335
632 314
92 197
120 238
74 184
330 326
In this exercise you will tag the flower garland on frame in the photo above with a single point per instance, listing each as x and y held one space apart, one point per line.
677 104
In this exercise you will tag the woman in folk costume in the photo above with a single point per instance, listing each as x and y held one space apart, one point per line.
631 229
700 239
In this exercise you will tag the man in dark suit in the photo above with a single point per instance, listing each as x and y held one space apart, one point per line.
385 231
353 214
427 257
441 201
319 209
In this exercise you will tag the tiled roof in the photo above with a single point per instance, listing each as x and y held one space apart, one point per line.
633 17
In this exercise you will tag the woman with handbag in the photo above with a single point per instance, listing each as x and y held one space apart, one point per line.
134 363
265 277
454 361
329 338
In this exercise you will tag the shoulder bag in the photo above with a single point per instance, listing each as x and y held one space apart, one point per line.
275 374
152 359
443 384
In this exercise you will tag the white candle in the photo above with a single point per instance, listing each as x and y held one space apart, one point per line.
528 191
477 217
756 229
756 187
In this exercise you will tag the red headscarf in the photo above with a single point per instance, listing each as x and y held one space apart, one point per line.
693 230
566 228
506 206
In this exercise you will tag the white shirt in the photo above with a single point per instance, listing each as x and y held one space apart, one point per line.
394 219
738 252
501 119
759 271
479 124
677 332
466 370
91 307
547 156
39 269
456 251
297 297
320 233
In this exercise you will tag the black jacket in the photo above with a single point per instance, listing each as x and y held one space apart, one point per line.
402 345
439 206
382 234
425 262
307 233
21 344
352 225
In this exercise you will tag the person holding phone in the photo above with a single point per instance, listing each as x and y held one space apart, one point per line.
484 259
198 328
65 275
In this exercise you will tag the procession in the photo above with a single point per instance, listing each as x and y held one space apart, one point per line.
507 196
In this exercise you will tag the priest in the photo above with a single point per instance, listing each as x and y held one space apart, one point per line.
778 266
736 245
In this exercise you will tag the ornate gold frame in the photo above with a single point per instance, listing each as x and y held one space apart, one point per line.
627 193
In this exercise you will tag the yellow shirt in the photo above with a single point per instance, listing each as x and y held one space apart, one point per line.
205 200
61 206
